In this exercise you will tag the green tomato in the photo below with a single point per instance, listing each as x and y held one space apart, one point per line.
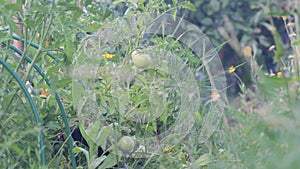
126 144
141 60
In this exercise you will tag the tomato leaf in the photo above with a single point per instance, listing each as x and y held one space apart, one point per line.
188 5
202 160
110 161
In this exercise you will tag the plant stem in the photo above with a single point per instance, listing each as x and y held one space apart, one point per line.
39 50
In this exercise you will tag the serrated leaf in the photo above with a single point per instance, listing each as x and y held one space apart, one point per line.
84 151
101 138
188 5
175 2
85 135
110 161
268 85
64 82
96 162
54 82
93 130
171 138
202 160
93 28
174 13
117 2
17 149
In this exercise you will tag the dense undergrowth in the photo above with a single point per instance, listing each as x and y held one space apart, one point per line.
151 99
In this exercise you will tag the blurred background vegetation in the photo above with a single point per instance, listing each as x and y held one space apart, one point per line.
235 25
259 127
240 24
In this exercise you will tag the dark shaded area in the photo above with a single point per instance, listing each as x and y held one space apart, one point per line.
77 138
265 40
247 23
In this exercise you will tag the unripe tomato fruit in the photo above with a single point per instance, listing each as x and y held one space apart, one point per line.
141 60
126 144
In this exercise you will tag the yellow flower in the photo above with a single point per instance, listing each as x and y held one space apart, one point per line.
247 51
214 95
279 74
44 93
231 69
284 17
168 150
108 56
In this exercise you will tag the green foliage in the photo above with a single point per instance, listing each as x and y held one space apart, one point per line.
261 131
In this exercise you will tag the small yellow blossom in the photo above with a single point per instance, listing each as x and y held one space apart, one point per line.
231 69
247 51
108 56
279 74
168 150
214 95
44 93
284 17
